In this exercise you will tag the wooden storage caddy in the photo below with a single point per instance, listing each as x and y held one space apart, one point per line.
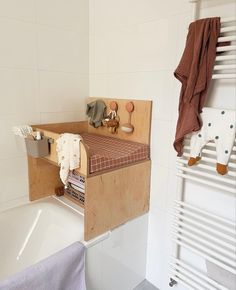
111 197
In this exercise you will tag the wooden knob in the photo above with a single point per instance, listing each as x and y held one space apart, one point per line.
113 106
129 107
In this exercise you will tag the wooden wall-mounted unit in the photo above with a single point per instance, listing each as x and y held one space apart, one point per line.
111 197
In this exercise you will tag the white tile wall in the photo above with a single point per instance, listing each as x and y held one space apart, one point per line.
66 87
70 15
43 77
62 50
55 117
134 48
23 10
106 14
131 51
18 44
18 91
14 177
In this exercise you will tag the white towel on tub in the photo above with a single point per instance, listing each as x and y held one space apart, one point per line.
68 150
64 270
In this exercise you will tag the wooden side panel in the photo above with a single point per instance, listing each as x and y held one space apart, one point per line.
43 178
141 120
52 157
53 131
69 127
116 197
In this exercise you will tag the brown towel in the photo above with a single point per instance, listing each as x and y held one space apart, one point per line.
195 72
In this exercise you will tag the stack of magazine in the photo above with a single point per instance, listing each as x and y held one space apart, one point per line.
76 186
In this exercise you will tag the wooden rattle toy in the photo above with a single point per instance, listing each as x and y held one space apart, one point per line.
128 127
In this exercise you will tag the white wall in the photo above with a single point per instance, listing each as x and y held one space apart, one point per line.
134 48
43 76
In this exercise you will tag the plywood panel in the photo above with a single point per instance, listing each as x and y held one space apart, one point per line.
43 178
69 127
141 120
116 197
52 157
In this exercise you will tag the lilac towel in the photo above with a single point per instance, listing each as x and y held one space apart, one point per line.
61 271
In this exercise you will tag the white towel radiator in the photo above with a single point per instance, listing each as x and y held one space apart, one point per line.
206 235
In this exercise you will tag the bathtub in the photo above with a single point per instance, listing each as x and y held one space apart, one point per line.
32 232
36 230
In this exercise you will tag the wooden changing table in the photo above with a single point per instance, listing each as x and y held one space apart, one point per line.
112 197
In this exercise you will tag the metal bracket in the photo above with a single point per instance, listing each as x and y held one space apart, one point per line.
172 282
50 140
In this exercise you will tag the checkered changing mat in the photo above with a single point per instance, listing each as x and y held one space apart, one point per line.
108 152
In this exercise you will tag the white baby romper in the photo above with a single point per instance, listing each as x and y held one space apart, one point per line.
68 150
218 125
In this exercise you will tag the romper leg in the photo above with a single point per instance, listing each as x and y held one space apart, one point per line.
225 139
223 151
198 140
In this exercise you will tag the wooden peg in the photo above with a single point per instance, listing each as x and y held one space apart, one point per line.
113 106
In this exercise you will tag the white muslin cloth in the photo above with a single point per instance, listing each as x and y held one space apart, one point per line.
218 125
64 270
68 150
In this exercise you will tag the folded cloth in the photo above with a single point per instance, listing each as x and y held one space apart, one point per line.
64 270
68 150
96 111
195 72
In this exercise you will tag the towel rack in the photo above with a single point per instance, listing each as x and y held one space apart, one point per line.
205 234
205 171
227 34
